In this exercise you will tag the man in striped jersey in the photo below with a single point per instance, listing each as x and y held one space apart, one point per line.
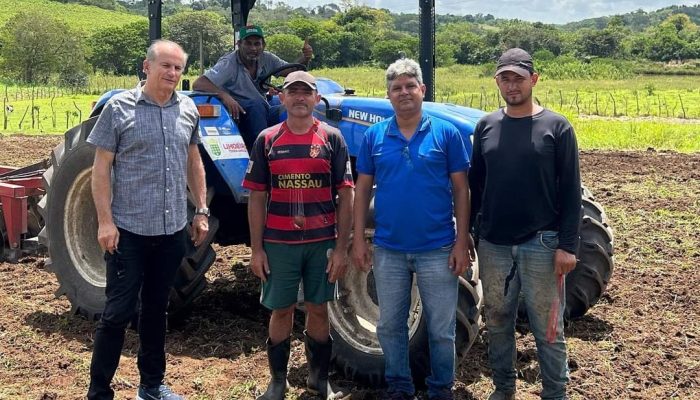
297 232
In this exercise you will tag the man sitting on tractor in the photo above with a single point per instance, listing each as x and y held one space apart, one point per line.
235 79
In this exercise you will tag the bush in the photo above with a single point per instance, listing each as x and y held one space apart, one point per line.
286 46
73 79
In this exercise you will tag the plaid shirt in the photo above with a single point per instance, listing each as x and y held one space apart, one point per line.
149 173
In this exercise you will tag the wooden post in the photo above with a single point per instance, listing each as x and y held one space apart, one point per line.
23 115
32 107
682 107
614 104
4 110
53 112
596 104
80 113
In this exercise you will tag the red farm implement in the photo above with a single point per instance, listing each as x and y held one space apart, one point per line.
20 222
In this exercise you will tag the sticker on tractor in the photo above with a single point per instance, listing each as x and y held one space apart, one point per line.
226 147
211 131
213 147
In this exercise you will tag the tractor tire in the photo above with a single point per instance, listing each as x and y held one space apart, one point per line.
588 281
354 316
70 233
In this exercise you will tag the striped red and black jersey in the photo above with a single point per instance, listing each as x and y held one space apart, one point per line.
301 174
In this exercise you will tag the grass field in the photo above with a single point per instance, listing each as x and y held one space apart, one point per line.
82 18
647 112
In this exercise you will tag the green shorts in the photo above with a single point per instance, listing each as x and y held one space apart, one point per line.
292 263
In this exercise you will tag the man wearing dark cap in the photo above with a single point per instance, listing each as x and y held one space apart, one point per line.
526 193
297 232
235 77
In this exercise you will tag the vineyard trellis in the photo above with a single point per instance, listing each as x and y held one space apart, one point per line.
604 103
39 108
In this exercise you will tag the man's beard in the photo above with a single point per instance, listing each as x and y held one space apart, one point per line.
520 100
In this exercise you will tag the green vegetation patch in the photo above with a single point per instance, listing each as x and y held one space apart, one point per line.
82 18
637 134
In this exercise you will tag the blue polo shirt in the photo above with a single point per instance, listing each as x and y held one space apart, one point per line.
413 199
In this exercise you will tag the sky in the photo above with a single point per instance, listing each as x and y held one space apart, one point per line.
548 11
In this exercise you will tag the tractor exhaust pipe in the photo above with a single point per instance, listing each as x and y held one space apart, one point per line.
427 46
154 19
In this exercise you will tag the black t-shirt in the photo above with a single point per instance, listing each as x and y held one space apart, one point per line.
525 178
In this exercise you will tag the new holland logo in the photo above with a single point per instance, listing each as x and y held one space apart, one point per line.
315 150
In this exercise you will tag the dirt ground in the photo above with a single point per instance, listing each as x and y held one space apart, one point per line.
639 342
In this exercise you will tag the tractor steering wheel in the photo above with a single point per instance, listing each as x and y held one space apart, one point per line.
263 80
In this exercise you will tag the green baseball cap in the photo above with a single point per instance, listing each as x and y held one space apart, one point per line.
250 30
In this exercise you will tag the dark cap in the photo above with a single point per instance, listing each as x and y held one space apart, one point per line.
300 76
516 60
250 30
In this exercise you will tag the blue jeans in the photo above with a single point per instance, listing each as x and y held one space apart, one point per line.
506 272
144 268
393 274
258 116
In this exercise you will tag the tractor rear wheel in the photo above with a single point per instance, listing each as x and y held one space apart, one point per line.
588 281
70 233
354 316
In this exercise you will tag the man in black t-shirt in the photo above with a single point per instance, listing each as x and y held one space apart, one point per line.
526 190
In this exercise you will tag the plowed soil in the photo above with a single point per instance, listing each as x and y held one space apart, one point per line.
639 342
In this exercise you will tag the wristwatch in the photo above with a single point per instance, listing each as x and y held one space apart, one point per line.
202 211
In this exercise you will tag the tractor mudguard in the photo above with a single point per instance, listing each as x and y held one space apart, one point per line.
223 142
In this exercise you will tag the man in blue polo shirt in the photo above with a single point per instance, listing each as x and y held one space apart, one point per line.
419 165
235 79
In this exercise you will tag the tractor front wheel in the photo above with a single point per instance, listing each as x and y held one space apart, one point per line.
354 317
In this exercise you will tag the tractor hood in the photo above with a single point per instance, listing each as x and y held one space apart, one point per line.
358 113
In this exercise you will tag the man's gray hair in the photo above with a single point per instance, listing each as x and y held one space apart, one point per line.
152 51
403 67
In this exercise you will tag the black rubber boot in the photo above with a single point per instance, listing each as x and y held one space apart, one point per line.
318 356
277 356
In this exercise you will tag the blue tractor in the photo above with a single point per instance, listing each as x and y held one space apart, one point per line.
70 230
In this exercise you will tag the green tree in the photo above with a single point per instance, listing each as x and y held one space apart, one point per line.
33 45
445 54
461 40
303 27
119 50
527 36
674 39
385 52
360 28
600 43
187 28
356 16
285 45
326 44
664 44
